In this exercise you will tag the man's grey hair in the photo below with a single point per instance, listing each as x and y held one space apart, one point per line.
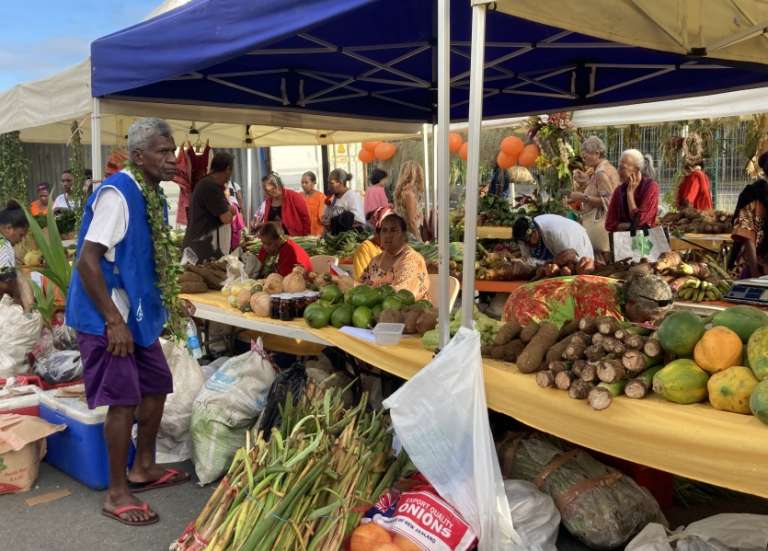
142 131
636 156
593 144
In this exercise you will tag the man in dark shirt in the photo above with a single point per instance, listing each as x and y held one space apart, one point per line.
210 213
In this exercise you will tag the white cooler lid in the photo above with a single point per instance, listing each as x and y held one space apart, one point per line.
74 408
24 396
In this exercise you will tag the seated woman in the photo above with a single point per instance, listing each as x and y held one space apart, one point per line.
398 265
749 255
13 229
370 248
635 203
278 253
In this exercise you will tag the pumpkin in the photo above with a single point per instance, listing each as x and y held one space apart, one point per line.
261 304
682 382
294 282
273 284
368 536
730 389
719 348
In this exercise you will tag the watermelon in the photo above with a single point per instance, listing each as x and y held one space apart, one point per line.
682 382
758 403
757 353
742 320
679 332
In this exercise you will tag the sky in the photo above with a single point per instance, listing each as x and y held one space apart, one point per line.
41 37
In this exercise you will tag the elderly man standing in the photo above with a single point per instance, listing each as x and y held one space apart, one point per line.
115 305
635 203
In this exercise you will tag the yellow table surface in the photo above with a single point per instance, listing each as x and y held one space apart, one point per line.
712 241
694 441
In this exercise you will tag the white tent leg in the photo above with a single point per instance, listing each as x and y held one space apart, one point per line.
96 164
479 8
433 132
247 198
442 160
427 172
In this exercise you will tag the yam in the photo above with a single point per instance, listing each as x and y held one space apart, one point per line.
588 325
497 352
556 352
545 379
589 372
557 366
529 331
512 350
391 316
634 342
610 371
568 328
652 348
193 287
598 338
508 331
409 319
608 325
574 351
579 390
426 321
600 398
564 379
580 338
531 357
594 352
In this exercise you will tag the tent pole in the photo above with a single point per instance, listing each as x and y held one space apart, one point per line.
442 159
433 131
96 164
479 8
247 196
427 172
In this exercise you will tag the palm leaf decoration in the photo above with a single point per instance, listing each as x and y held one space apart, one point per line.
57 267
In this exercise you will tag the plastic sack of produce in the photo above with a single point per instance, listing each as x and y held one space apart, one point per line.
599 505
228 404
534 515
18 337
419 517
441 418
561 299
60 366
724 532
174 441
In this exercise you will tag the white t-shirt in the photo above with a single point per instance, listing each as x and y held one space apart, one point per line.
108 228
63 201
350 201
559 234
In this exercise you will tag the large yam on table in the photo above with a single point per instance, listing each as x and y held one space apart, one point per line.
531 358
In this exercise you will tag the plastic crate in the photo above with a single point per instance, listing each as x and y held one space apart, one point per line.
80 450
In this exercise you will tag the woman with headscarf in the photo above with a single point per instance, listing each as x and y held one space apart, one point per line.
749 255
595 195
409 194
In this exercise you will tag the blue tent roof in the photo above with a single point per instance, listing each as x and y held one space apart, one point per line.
376 59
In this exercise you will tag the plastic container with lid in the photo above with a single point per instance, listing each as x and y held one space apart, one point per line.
388 333
80 450
23 400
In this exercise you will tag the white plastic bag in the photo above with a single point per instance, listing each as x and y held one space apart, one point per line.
174 439
728 531
18 337
441 418
534 515
60 366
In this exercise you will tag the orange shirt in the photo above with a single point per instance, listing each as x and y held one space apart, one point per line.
36 209
316 207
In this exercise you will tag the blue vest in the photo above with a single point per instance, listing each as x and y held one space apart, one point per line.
133 271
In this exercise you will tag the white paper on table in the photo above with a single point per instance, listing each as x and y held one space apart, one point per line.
362 334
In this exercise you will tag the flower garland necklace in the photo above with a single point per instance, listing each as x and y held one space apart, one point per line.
167 266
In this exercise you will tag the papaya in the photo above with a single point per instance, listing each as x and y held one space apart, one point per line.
719 348
757 353
743 320
682 382
730 389
679 332
758 403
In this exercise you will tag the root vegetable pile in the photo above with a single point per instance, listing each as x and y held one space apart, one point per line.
690 220
203 277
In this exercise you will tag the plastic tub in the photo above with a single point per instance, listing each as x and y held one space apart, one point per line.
80 450
388 334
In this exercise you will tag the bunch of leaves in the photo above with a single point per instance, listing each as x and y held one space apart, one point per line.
67 220
77 168
14 169
495 211
45 301
57 267
555 137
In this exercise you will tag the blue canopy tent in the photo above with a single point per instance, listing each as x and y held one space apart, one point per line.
380 60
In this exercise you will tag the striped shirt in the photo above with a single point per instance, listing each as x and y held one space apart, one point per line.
7 256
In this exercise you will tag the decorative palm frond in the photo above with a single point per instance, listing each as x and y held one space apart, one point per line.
57 267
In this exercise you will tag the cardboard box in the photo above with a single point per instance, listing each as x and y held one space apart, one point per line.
22 446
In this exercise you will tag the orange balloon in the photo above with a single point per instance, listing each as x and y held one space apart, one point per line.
370 146
529 155
512 146
454 141
385 151
504 160
366 156
463 151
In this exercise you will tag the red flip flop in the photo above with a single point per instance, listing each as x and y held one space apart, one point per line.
144 508
171 477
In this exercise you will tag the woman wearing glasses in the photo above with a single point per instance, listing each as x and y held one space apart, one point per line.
285 206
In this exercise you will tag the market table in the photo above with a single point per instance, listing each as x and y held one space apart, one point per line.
694 441
498 286
712 242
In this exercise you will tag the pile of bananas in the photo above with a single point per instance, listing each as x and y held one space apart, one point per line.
699 290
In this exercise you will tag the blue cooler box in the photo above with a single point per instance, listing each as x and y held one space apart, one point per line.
80 450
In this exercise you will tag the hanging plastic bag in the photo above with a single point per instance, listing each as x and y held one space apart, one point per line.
174 439
534 515
441 418
18 337
724 532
